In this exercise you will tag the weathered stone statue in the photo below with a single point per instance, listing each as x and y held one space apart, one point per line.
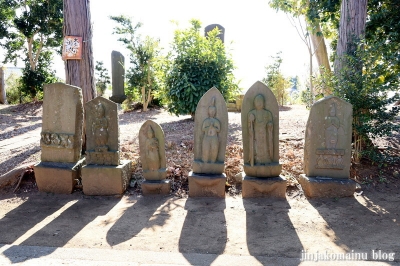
327 149
61 139
117 77
260 132
210 137
152 156
260 126
104 173
211 128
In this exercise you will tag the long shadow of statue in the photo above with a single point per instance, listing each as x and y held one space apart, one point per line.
139 216
269 230
64 227
206 224
367 224
24 217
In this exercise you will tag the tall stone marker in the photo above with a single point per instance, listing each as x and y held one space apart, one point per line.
210 136
327 150
104 173
260 132
221 35
118 77
61 139
152 156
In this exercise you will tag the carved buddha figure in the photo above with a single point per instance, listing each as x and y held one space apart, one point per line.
100 128
260 126
333 128
210 128
152 150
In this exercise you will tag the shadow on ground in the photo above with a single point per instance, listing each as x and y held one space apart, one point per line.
205 222
364 223
263 229
61 229
137 217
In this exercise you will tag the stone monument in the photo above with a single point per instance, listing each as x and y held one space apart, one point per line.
104 173
260 132
61 139
221 35
327 149
210 137
152 156
118 77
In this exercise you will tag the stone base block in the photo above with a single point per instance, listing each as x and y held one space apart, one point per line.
106 179
326 187
118 98
59 178
216 168
267 170
206 185
151 187
159 174
255 187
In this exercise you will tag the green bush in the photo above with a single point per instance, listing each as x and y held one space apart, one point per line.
198 63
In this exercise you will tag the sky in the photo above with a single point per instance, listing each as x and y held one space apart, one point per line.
253 32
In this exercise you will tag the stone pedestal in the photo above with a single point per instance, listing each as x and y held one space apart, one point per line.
254 187
206 185
326 187
106 179
161 187
59 178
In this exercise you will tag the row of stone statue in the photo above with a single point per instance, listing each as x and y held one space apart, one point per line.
327 147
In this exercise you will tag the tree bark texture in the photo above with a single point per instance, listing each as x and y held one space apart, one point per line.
3 94
77 22
353 14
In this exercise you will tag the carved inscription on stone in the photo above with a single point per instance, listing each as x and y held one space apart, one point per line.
102 132
57 140
331 157
152 150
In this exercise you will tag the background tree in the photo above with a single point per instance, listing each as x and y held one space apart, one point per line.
197 64
102 77
276 81
29 30
144 57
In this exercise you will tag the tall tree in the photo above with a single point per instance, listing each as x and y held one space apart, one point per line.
102 77
353 16
29 30
80 73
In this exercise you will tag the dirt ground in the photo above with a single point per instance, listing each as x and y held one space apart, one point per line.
367 222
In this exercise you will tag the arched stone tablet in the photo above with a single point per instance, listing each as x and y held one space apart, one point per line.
102 132
152 151
327 149
210 133
260 132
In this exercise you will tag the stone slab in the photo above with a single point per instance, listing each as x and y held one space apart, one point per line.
59 178
327 143
326 187
105 179
160 174
61 136
255 187
209 168
263 171
151 187
204 185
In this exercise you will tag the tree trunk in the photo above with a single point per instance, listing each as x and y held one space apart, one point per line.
353 14
80 73
3 94
320 50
